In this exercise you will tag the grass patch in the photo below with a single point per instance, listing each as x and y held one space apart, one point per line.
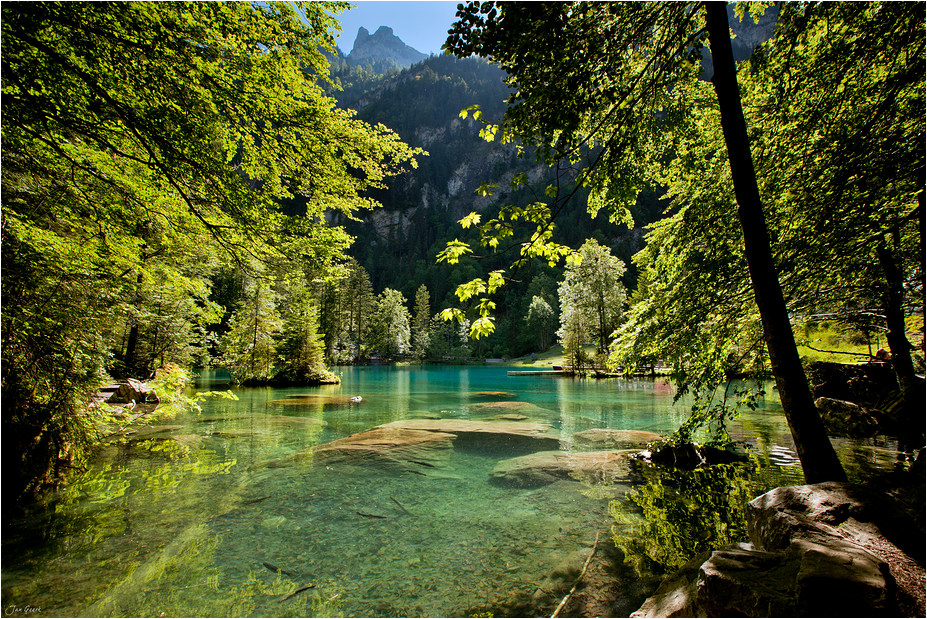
550 357
825 343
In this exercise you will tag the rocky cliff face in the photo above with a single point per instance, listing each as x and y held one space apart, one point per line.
381 46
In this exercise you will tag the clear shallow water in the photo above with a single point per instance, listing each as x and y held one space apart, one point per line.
187 519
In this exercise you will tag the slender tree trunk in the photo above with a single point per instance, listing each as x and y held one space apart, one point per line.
912 390
257 312
922 220
129 360
819 461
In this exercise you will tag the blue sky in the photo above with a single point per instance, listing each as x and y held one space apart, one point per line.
421 24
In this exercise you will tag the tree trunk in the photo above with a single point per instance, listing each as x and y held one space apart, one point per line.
254 333
819 461
129 359
912 390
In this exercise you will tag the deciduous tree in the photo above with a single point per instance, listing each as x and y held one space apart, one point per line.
541 322
390 324
132 131
625 67
591 288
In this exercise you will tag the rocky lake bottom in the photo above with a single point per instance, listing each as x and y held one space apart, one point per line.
441 492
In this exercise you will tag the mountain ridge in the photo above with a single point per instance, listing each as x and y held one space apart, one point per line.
383 48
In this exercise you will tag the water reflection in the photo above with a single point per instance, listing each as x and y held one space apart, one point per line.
673 516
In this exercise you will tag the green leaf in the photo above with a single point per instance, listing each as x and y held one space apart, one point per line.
453 252
485 189
472 108
482 327
496 281
453 313
518 180
470 289
470 220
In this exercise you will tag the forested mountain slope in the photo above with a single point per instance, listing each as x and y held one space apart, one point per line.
398 243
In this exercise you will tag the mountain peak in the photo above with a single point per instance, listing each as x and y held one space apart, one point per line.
383 45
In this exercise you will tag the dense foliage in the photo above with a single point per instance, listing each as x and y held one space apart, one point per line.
609 93
144 147
182 184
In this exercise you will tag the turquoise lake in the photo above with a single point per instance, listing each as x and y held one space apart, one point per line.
192 517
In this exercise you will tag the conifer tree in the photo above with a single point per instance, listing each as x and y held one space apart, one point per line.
421 321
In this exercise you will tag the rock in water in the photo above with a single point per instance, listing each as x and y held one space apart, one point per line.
843 418
485 434
506 408
396 448
546 467
386 445
615 439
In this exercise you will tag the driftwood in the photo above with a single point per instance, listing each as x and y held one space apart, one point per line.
253 501
275 569
295 593
578 578
401 506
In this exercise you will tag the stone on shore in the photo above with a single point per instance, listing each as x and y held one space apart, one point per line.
133 391
829 549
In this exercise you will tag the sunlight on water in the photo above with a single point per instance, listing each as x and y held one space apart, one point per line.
217 514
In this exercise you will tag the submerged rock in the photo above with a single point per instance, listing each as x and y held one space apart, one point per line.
146 431
688 456
317 399
829 549
675 597
506 417
234 433
493 394
484 434
287 420
843 418
601 438
501 408
391 447
420 445
546 467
